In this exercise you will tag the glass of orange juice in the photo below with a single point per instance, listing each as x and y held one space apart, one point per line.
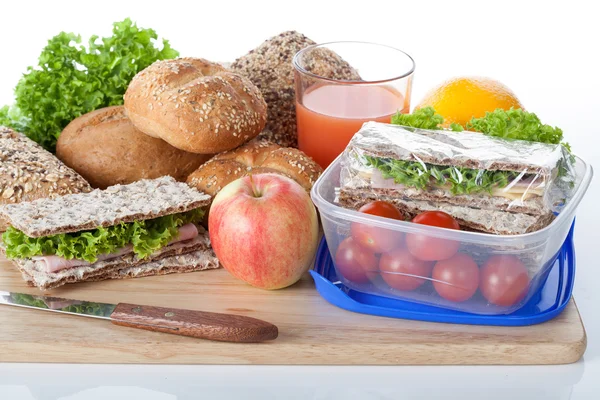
340 86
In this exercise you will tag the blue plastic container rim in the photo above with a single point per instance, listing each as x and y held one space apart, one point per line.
531 313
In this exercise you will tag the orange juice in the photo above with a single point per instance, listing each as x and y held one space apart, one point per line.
331 114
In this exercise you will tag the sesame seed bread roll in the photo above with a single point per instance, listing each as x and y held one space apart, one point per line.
255 157
28 172
195 105
106 149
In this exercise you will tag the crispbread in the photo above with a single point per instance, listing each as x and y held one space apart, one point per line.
462 149
34 271
533 206
199 260
490 221
141 200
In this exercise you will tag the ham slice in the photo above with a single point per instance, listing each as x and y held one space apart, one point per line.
56 263
186 232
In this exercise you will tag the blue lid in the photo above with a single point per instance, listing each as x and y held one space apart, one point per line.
548 302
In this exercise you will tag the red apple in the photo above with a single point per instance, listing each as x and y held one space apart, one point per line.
264 230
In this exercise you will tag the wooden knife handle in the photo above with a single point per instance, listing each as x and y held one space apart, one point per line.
198 324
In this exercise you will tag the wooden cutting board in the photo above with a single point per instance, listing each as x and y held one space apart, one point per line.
311 331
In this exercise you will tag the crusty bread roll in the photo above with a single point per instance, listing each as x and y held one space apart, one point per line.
195 105
106 149
257 156
269 67
28 172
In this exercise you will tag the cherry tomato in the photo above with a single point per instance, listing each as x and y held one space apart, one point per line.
457 278
378 240
403 271
504 280
354 262
428 248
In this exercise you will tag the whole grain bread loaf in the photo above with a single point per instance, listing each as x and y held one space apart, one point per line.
28 172
269 67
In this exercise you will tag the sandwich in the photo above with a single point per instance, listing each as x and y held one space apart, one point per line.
148 227
488 184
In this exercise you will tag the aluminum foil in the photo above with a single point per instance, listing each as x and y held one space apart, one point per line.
463 172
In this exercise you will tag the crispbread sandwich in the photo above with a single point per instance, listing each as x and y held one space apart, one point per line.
145 228
488 184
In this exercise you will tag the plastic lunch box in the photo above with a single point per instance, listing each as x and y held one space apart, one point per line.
538 250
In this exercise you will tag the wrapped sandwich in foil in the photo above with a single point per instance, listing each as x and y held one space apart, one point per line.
488 184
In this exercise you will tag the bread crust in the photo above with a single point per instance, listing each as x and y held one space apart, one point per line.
195 105
255 157
106 149
28 172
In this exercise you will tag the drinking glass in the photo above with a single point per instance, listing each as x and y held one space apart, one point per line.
341 85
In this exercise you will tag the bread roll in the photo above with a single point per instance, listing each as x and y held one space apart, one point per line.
255 157
106 149
28 172
195 105
270 68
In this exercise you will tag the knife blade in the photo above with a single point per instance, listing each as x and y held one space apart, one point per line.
198 324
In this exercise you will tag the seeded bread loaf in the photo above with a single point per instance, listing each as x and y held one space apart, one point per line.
106 149
269 67
195 105
28 172
255 157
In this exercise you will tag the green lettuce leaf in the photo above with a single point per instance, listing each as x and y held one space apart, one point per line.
423 175
11 117
515 124
423 118
145 236
72 79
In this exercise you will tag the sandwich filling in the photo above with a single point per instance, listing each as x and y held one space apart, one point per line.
455 179
68 250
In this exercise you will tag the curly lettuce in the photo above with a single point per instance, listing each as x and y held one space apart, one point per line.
507 124
515 124
72 79
459 180
146 237
423 118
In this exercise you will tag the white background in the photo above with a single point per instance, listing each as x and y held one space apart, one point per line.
547 52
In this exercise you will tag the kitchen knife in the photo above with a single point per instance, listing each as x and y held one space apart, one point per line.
198 324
